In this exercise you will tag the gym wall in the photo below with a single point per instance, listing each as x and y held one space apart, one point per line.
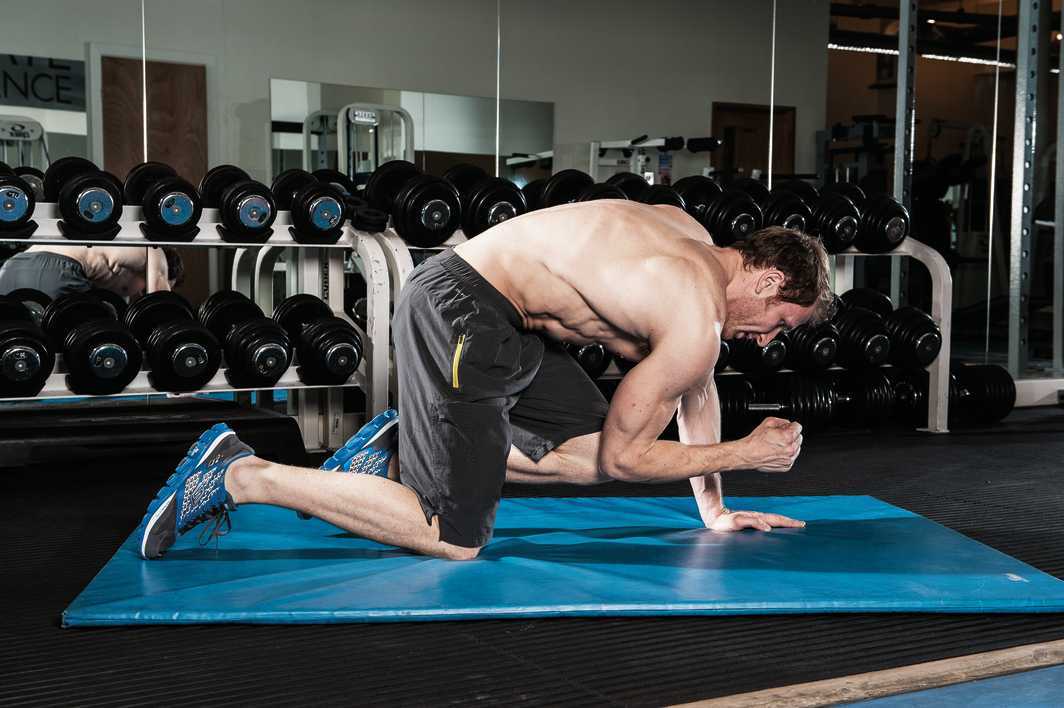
629 67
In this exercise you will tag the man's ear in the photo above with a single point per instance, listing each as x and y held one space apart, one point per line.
769 282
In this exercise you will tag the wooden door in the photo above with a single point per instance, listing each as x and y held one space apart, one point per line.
744 128
177 133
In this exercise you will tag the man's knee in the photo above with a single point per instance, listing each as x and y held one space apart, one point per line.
457 553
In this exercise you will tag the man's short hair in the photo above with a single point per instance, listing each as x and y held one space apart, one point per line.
175 267
803 262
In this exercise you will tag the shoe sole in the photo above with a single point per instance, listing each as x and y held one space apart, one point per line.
354 451
170 484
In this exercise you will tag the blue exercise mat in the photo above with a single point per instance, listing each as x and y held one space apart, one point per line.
573 556
1042 688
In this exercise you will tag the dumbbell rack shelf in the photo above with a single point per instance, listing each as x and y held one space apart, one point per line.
47 217
55 387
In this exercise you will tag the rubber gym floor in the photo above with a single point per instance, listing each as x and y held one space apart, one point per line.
61 523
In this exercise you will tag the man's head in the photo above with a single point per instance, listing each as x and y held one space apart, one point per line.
783 283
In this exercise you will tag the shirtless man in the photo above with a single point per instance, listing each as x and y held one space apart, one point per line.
487 393
124 270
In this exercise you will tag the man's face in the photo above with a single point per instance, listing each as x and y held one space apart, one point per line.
758 313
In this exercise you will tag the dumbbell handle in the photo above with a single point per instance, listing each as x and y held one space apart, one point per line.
777 407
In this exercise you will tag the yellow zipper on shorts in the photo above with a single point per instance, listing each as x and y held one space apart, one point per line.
457 357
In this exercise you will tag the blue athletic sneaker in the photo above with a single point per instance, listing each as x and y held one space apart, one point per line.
369 450
194 493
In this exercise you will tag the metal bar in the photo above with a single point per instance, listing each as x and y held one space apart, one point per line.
772 97
498 78
1058 231
1023 159
904 130
991 219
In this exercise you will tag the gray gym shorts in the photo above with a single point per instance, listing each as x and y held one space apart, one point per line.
471 384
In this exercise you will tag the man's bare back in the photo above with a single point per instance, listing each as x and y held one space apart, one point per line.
605 271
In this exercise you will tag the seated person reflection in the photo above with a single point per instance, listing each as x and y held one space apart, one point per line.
124 270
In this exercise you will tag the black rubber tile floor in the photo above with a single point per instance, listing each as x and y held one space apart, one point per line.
61 523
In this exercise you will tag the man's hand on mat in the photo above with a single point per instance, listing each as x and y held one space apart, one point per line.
739 520
774 445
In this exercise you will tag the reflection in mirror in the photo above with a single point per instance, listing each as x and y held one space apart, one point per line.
351 130
447 129
958 73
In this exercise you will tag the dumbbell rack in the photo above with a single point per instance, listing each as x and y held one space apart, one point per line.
320 410
941 313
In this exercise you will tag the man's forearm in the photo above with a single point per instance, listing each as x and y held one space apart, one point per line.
668 461
699 424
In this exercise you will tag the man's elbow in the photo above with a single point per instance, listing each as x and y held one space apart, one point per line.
622 467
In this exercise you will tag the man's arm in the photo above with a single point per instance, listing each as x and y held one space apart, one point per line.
149 261
698 419
699 422
682 351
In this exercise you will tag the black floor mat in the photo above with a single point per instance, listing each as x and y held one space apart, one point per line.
61 523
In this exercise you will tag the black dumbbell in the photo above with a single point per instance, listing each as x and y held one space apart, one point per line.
257 349
862 399
17 202
601 190
780 207
988 390
729 216
869 299
317 208
89 200
564 187
113 300
25 358
834 219
329 348
863 338
811 348
245 207
884 221
170 205
425 210
593 358
533 192
631 184
749 357
662 194
723 356
34 300
915 339
486 201
182 353
34 178
978 394
787 395
339 180
359 312
101 355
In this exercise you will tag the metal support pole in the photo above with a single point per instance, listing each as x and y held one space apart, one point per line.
904 122
1023 159
1058 231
